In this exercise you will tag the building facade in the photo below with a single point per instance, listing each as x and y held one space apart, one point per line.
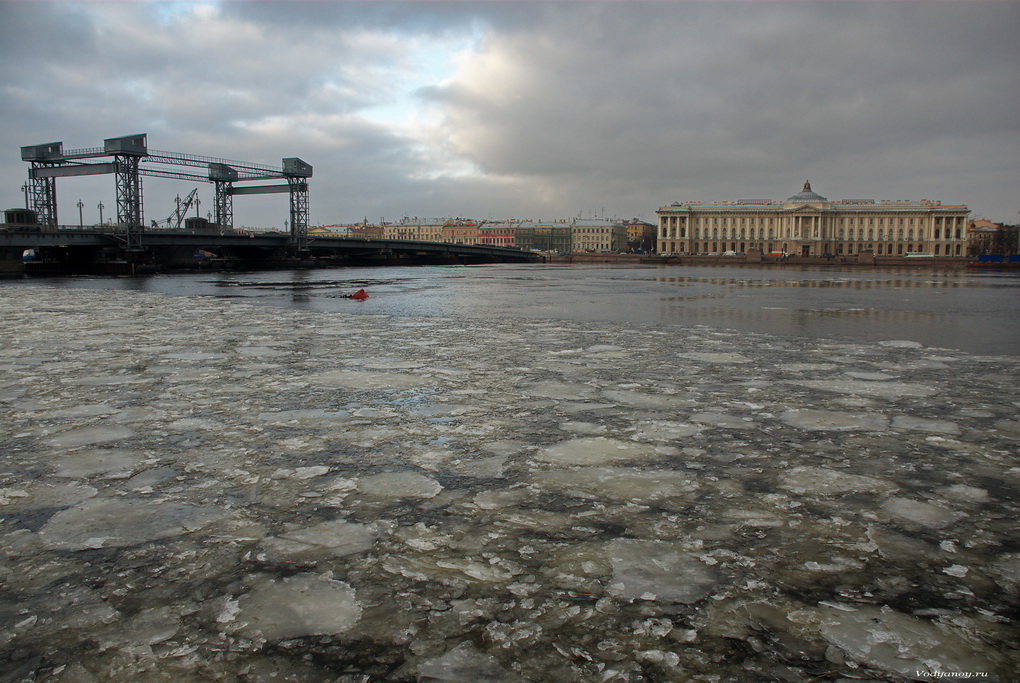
460 231
498 234
641 235
542 236
597 235
808 224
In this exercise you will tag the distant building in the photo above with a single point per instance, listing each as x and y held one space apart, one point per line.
640 235
365 230
983 237
597 235
544 236
809 224
498 233
419 229
460 231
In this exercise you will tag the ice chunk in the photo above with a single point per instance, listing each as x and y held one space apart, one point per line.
868 388
297 606
921 424
365 380
643 399
40 495
111 463
84 436
899 643
918 512
150 626
901 344
106 522
310 472
661 430
715 357
657 571
722 420
400 485
825 420
823 481
465 663
1006 571
336 538
482 571
620 483
491 500
594 451
875 376
560 390
966 494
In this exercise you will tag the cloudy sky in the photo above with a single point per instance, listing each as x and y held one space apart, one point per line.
526 109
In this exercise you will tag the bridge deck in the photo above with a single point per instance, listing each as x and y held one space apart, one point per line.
176 249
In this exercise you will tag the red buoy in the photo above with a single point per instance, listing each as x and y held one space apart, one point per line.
360 295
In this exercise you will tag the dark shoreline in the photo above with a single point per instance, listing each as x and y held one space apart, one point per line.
855 261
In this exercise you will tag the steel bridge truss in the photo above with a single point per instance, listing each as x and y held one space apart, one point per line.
132 159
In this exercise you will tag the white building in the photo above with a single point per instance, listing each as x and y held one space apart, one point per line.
808 224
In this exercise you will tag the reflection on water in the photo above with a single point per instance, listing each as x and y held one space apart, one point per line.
953 309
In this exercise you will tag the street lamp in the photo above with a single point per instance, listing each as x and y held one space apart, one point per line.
81 220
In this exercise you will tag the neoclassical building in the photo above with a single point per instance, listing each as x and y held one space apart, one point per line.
808 224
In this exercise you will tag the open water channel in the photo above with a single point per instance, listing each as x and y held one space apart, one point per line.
511 473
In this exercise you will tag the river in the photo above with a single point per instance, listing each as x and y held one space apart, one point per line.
537 474
973 311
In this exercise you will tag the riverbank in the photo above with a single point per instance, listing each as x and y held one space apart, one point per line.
862 260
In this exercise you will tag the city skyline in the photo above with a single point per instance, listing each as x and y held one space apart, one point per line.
528 110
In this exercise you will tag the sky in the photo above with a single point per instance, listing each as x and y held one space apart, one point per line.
526 109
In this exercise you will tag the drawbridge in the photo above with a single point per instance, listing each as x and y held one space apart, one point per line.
128 158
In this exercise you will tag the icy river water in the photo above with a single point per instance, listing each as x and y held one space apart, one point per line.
511 473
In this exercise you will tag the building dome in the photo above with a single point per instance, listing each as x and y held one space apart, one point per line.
806 195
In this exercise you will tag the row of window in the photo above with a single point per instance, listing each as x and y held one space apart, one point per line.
940 221
853 234
898 249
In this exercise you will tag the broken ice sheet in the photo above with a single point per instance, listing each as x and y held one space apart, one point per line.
292 607
654 571
106 522
336 538
439 504
595 451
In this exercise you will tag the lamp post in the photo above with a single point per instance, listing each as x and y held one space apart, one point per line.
81 220
100 213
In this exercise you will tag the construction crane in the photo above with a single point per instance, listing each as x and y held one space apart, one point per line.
177 217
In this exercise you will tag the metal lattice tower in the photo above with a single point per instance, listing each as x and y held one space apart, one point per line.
43 197
299 213
224 204
297 173
129 200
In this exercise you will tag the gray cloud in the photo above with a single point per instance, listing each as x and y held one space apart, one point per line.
555 108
